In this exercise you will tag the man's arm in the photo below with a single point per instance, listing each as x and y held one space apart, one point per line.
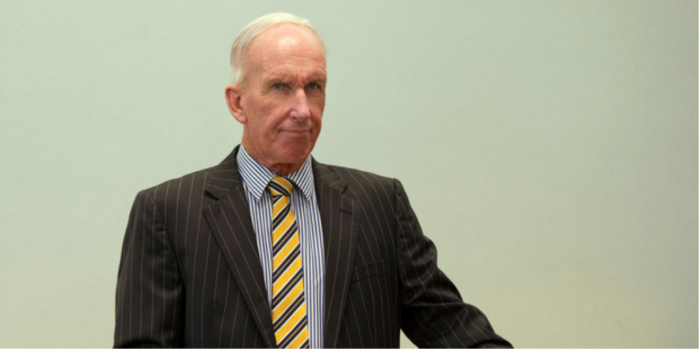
149 287
433 313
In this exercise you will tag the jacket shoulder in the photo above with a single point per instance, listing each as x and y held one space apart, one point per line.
361 178
196 176
227 170
367 187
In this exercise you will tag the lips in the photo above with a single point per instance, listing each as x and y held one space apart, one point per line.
297 131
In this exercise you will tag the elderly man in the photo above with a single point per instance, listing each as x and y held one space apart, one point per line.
273 249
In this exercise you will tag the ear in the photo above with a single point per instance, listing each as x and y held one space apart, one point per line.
233 99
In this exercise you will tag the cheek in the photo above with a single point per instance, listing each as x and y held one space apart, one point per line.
317 111
259 119
274 118
316 119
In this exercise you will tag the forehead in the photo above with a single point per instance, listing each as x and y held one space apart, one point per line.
286 49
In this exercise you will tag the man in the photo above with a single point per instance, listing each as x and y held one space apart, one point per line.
273 249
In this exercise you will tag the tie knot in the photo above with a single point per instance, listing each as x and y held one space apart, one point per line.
280 186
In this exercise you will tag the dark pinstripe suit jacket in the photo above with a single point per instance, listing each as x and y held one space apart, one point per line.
190 270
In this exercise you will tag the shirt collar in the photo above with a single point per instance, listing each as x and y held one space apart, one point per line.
256 176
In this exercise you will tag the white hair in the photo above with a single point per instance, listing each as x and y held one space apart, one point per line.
259 25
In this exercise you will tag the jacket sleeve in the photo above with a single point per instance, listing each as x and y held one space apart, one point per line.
433 313
150 295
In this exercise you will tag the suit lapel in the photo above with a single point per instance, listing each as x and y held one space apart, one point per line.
340 222
231 226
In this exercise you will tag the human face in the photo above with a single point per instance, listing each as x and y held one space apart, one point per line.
281 103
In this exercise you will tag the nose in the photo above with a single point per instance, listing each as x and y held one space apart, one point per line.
300 105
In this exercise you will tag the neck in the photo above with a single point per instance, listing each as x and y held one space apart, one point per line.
283 169
280 169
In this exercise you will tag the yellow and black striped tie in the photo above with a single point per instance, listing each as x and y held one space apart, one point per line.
288 305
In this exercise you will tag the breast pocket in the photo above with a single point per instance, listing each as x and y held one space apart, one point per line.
366 271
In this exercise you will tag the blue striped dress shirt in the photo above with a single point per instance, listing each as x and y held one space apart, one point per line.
255 178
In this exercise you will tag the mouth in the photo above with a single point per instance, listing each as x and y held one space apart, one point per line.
299 132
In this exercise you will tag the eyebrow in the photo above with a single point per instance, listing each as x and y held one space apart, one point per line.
289 78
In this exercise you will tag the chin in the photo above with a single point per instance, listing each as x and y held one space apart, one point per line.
295 154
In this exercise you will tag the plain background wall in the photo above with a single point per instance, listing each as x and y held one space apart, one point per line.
549 148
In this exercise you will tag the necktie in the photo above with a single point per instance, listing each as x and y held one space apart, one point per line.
288 305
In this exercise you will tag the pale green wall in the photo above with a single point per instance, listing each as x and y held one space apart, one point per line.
549 148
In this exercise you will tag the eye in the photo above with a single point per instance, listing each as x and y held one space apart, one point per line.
312 86
277 86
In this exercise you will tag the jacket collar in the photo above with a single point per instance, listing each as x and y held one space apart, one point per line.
231 226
